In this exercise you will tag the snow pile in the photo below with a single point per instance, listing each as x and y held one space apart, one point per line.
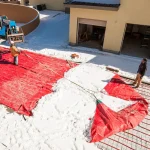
92 77
116 104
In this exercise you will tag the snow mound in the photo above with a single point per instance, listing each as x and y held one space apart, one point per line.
90 76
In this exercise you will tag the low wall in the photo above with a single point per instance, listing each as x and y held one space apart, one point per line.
21 14
13 2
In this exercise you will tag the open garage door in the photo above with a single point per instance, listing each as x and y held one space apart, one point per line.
137 41
92 22
91 33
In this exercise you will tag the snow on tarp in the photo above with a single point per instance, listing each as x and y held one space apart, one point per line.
22 86
108 121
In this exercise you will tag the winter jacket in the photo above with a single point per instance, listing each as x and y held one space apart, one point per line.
14 51
142 69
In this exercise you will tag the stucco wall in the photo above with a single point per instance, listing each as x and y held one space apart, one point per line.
50 4
130 11
21 14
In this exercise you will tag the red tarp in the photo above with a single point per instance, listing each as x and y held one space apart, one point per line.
107 122
22 86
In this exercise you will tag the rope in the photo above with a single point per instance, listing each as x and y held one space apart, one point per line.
85 89
5 146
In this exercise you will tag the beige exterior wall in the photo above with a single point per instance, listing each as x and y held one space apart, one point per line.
22 2
130 11
50 4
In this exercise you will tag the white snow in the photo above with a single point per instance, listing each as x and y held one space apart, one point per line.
61 119
101 77
115 104
100 1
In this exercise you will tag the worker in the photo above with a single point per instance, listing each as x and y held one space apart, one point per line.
141 72
14 52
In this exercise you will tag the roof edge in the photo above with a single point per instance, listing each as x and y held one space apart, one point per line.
92 4
92 7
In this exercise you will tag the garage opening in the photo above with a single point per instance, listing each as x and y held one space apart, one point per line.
137 41
91 33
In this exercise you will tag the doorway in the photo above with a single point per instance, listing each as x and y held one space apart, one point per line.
91 33
137 41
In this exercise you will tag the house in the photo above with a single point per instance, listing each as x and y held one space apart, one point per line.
111 25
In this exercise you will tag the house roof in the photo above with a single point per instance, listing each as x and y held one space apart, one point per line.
102 3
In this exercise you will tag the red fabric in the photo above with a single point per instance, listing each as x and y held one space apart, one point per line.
22 86
118 88
107 122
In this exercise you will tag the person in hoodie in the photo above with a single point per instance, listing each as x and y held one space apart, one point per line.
14 52
141 72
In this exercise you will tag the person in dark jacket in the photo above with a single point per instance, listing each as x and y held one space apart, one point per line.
141 72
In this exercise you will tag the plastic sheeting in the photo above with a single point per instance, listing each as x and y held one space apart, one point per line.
107 122
22 86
